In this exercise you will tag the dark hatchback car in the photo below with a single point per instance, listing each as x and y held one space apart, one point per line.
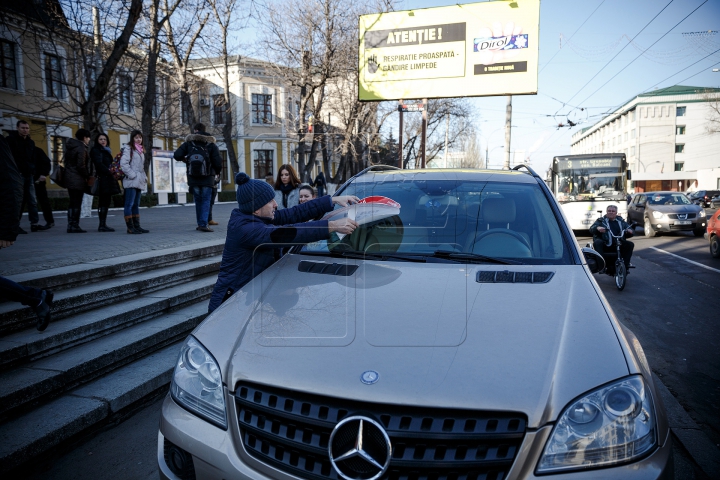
703 197
666 212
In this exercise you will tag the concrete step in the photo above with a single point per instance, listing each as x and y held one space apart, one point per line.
84 410
49 377
30 344
81 274
14 317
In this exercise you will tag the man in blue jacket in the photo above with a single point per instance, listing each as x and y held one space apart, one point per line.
257 231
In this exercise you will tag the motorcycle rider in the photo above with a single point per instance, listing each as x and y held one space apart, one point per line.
602 240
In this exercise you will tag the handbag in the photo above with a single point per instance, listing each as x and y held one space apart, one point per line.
58 176
95 187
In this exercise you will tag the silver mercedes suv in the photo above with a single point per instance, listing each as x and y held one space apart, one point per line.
461 338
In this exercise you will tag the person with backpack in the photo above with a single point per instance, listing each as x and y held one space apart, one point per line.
132 163
102 158
203 163
320 183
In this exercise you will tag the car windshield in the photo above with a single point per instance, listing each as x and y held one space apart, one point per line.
668 199
471 220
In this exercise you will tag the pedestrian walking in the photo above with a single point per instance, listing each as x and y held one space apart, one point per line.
287 194
307 193
212 200
102 158
23 151
257 233
42 171
132 163
320 183
203 160
77 174
11 195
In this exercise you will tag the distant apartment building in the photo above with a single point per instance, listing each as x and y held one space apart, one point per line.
664 137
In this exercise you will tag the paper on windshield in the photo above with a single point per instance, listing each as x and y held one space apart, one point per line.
367 210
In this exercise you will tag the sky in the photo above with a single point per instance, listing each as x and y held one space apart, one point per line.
577 40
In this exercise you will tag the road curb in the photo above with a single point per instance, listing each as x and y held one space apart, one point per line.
704 452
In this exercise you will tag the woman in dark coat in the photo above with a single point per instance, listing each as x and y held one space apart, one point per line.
101 156
77 172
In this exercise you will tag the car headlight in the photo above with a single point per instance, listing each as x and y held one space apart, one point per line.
702 214
658 215
197 383
611 425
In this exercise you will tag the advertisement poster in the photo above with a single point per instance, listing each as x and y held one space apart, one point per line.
477 49
162 171
180 184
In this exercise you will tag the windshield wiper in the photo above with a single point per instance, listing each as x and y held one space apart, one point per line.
473 258
359 255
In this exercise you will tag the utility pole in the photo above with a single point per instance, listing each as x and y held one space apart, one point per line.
508 125
424 132
447 127
400 136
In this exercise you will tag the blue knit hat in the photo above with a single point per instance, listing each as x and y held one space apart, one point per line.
252 194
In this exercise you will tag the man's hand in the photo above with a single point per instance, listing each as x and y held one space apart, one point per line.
41 178
5 243
601 229
345 200
345 226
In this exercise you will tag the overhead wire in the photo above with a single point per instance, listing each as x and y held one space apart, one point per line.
641 53
571 36
685 68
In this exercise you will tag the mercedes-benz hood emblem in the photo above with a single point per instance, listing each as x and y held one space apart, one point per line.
359 449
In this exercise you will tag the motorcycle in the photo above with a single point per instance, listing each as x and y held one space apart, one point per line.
614 264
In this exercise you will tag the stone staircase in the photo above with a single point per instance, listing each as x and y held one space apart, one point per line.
111 346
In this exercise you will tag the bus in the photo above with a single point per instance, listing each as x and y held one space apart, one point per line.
585 184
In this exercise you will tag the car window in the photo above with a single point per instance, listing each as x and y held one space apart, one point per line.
498 219
669 199
642 200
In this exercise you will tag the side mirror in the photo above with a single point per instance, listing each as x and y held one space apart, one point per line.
594 260
629 175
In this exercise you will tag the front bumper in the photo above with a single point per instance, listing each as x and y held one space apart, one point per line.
666 225
219 454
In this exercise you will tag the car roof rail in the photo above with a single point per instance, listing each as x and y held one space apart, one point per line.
532 172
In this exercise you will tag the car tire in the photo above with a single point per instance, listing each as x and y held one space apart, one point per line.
649 231
698 232
715 246
620 275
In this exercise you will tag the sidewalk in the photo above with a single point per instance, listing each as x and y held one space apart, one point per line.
170 226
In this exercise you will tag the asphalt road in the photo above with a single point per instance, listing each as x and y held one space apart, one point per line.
670 302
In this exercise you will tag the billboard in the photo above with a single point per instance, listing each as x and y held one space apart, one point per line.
476 49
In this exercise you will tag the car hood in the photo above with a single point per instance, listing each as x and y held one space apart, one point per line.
676 208
434 334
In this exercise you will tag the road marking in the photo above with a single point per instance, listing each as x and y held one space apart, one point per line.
689 261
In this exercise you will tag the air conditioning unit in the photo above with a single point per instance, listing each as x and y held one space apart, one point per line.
204 102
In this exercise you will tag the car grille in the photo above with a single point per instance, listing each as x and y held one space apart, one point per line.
290 431
674 216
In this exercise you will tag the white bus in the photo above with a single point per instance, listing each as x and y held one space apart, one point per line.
584 184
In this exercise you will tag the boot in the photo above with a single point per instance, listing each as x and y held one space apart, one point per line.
130 225
102 214
136 223
74 221
42 310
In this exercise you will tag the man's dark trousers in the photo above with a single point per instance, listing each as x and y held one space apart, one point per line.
15 292
44 202
626 249
30 199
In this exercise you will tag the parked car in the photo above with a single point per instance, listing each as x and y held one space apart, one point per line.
666 212
462 338
703 197
713 234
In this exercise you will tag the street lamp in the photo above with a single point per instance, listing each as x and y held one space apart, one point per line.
487 145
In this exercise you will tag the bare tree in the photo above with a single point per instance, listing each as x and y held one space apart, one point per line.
712 120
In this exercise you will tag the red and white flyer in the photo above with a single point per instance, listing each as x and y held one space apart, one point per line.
367 210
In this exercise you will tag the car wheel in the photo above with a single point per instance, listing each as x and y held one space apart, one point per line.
698 232
715 246
649 232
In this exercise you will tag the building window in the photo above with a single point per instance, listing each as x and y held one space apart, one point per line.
632 133
186 108
632 151
156 101
8 70
679 148
53 76
90 79
261 108
626 136
662 111
680 130
680 111
125 97
263 163
679 166
218 109
632 116
227 174
58 149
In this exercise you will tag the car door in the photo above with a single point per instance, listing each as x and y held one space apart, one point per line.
639 211
633 209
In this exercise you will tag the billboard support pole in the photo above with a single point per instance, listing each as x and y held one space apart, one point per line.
400 136
508 125
424 131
